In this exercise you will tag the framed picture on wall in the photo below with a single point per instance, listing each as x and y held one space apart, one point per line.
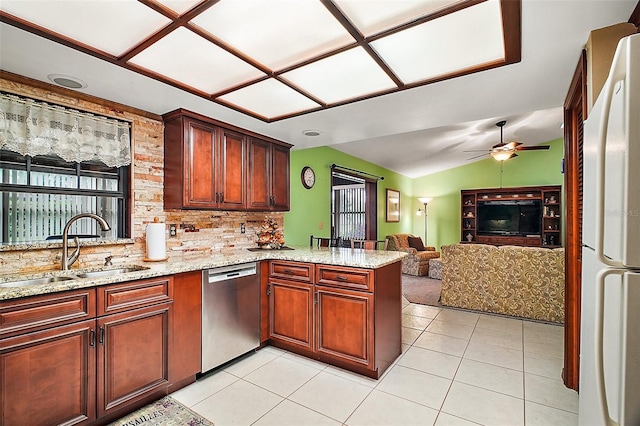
393 205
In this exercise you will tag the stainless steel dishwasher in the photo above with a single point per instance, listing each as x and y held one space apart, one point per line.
230 313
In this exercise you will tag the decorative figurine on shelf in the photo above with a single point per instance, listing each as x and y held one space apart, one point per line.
552 240
552 199
467 224
469 237
269 235
469 214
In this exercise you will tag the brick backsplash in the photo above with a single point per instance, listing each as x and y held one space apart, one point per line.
217 230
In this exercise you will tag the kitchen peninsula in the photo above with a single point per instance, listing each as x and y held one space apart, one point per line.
338 305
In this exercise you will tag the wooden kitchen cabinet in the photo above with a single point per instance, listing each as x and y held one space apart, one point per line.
45 341
85 356
133 356
204 165
345 325
186 330
291 313
133 342
269 176
291 304
48 377
213 165
345 316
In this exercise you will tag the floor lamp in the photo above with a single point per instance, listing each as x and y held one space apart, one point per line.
425 201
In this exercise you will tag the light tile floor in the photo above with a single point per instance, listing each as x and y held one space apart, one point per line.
457 368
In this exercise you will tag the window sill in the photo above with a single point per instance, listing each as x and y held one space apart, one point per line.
44 245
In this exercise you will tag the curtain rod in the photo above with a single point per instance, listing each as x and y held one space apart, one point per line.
335 166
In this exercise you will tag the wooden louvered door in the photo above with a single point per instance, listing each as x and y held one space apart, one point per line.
574 114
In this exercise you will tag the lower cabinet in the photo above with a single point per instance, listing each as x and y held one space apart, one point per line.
349 317
93 370
186 329
291 313
345 325
48 377
133 356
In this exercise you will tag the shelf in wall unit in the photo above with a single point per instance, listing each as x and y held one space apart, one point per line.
547 202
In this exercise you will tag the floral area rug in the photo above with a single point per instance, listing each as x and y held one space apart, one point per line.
422 290
166 412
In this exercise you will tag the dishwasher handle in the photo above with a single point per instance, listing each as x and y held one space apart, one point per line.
230 272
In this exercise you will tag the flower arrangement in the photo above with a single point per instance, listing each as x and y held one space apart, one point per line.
269 235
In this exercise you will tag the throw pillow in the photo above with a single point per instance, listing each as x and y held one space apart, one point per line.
416 243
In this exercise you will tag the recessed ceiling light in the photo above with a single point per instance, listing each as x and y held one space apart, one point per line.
311 132
67 81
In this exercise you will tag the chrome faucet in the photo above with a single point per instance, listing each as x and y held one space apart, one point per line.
67 260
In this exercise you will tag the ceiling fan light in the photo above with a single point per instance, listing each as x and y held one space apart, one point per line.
502 155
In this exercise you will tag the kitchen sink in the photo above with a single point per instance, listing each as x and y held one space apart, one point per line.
35 281
107 272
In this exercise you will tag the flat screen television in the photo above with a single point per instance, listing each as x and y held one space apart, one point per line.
509 217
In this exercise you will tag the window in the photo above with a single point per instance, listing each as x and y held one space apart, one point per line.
353 207
53 166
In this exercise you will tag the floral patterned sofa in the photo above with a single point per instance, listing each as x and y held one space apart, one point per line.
417 262
525 282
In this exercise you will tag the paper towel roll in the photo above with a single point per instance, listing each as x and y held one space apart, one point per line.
156 247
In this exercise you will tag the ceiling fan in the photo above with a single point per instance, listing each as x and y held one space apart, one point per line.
504 151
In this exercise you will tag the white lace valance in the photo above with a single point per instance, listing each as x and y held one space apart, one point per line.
32 128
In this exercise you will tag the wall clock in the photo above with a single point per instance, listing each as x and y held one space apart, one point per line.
308 177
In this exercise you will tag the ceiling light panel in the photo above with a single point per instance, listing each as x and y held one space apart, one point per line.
93 23
341 77
185 56
465 39
270 99
179 6
276 33
374 16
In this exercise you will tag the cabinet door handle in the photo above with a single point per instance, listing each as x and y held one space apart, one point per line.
268 289
101 339
315 297
222 197
288 271
92 337
342 278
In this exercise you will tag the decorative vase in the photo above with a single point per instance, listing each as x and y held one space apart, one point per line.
469 237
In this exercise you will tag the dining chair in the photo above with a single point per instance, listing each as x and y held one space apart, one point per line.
370 244
319 242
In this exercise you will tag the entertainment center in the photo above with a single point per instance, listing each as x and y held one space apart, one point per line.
523 216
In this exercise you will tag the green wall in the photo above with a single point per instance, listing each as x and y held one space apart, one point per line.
312 207
529 168
310 212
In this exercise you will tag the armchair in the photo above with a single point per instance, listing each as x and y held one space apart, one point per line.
417 262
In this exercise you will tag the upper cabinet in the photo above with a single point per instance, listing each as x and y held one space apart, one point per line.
213 165
268 176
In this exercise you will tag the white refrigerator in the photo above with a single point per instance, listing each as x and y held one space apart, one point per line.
610 326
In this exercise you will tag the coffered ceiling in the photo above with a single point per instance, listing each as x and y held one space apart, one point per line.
279 58
405 84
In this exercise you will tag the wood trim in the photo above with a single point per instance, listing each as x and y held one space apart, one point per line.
575 110
512 39
181 112
635 16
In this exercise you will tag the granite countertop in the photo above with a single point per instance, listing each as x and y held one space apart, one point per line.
193 261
